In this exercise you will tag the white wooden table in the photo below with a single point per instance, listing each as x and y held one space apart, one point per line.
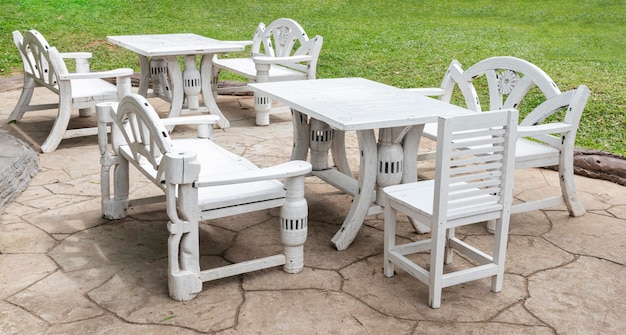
158 61
342 104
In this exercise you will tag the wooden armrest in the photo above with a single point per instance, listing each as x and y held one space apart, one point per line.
543 129
285 170
428 91
124 72
184 120
279 60
76 55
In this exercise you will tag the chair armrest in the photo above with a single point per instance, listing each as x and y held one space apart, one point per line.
285 170
428 91
543 129
76 55
98 75
279 60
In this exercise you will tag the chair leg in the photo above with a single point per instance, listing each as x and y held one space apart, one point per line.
437 251
262 107
499 251
60 124
389 237
183 244
293 224
24 101
262 104
568 185
116 207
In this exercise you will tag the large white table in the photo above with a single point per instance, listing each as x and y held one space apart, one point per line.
158 61
343 104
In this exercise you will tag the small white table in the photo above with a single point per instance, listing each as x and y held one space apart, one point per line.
338 105
157 59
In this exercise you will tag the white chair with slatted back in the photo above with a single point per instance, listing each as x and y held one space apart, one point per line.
281 51
82 90
473 183
201 181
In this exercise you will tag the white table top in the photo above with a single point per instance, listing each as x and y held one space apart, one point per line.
357 103
173 44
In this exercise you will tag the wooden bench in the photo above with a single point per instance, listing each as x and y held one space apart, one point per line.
44 67
200 181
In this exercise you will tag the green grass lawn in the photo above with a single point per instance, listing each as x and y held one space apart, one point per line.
401 43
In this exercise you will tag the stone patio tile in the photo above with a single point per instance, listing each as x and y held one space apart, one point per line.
525 255
16 320
275 279
517 315
64 303
618 211
483 328
319 252
88 185
140 296
26 269
312 311
48 176
111 325
404 297
589 235
583 297
21 237
66 214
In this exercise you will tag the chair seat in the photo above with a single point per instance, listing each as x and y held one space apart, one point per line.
245 67
418 196
90 90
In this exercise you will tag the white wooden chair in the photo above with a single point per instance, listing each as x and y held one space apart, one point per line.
280 51
473 183
200 181
509 80
44 67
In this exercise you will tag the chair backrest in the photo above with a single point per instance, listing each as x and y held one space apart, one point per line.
509 79
41 61
475 164
142 131
285 37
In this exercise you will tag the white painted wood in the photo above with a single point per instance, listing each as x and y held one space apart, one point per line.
362 105
158 58
201 181
509 79
281 51
44 67
471 184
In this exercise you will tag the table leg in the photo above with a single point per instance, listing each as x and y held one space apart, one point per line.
144 65
410 146
206 73
178 93
363 198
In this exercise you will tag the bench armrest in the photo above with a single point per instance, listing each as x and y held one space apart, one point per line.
281 60
98 75
543 129
285 170
76 55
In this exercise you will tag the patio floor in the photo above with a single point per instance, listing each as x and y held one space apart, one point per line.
66 270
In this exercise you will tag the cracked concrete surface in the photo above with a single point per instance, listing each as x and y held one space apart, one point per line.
64 269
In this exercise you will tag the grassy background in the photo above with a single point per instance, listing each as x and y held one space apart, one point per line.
402 43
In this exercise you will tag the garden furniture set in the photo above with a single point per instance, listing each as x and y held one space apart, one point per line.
477 149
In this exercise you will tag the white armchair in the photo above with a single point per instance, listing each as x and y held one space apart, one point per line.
508 82
200 181
44 67
280 51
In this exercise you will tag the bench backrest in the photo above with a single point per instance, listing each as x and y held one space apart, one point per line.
41 61
285 37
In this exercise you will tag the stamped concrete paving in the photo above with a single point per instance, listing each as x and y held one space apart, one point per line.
66 270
